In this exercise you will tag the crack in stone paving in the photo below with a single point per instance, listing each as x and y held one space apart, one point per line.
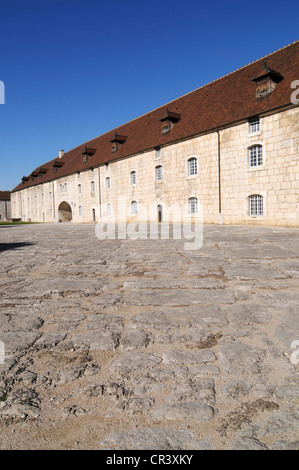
122 344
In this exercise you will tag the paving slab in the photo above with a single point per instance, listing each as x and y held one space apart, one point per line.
142 344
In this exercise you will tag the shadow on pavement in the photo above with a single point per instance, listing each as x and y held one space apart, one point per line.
14 246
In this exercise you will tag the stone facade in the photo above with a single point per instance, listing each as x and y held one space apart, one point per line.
5 205
224 153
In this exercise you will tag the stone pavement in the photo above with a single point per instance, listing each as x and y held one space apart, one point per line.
122 344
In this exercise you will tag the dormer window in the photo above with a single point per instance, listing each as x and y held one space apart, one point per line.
57 164
88 152
169 120
266 81
42 171
117 141
25 179
34 174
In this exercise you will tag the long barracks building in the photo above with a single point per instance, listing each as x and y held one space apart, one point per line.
229 148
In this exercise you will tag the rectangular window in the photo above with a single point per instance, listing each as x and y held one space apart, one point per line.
80 210
158 153
256 205
134 207
192 167
256 156
159 173
133 178
193 205
254 125
108 209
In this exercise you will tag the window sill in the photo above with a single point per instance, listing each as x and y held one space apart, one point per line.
254 134
256 168
255 217
191 177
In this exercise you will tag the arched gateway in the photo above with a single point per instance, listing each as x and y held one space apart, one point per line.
64 212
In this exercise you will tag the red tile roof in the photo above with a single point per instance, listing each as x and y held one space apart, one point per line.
222 102
4 195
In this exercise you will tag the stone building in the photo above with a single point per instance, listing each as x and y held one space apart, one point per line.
5 205
228 150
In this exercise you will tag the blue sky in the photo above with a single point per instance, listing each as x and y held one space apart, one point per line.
75 69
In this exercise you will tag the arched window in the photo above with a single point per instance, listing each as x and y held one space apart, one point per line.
256 204
134 207
93 187
192 166
108 183
80 210
79 189
133 178
109 209
193 205
159 173
255 155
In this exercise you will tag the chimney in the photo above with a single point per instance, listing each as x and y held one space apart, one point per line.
61 153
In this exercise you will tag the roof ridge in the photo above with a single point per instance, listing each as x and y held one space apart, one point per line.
223 76
186 94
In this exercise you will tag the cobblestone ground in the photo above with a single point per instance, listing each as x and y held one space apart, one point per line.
122 344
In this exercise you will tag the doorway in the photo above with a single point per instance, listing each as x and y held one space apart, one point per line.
64 212
160 213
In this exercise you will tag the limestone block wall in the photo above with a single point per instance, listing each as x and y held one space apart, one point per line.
41 203
5 210
277 180
90 198
174 189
